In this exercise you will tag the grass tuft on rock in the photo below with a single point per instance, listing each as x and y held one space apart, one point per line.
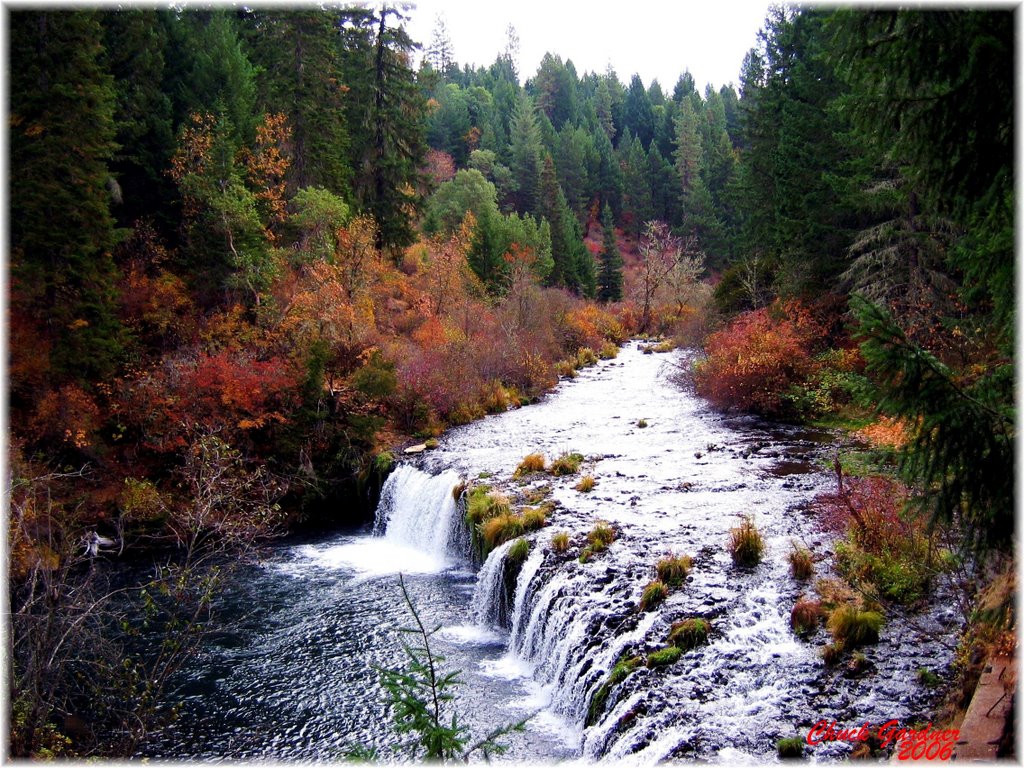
654 594
674 569
531 463
689 633
854 628
805 616
801 563
566 464
745 543
586 484
560 541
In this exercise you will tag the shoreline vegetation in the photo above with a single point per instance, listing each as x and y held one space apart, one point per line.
252 251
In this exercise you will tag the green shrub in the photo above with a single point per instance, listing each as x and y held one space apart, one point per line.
586 484
566 368
560 541
566 464
642 424
533 462
853 627
664 657
586 554
801 563
585 356
673 570
927 678
518 552
608 351
689 633
654 594
746 545
789 748
805 616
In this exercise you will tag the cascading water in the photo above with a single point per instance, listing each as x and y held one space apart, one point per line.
543 636
418 511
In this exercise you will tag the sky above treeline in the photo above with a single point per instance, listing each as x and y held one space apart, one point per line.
655 39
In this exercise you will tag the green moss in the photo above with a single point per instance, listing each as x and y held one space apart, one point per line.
689 633
518 552
664 657
623 667
790 748
384 461
654 594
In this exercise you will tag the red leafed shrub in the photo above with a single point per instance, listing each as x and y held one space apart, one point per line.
869 510
230 392
755 360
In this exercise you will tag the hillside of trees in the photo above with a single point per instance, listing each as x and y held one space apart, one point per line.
253 252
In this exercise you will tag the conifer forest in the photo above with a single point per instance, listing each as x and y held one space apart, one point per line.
265 263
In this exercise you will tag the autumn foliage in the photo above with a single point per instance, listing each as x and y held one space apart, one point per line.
754 361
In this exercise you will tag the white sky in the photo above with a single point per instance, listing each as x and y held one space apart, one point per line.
653 38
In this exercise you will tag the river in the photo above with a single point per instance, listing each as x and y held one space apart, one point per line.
296 676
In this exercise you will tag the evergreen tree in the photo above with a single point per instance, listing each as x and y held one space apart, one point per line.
61 134
554 90
300 64
390 147
219 77
609 285
134 44
637 205
638 113
525 149
564 237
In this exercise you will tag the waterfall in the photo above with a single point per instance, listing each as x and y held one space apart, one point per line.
418 511
489 603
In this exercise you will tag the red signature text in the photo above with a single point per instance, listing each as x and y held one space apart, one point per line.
926 743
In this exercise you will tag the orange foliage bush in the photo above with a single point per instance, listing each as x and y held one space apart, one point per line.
888 431
68 416
757 358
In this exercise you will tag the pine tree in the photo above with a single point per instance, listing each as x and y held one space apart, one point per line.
300 63
638 112
609 286
61 133
135 42
386 120
525 149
